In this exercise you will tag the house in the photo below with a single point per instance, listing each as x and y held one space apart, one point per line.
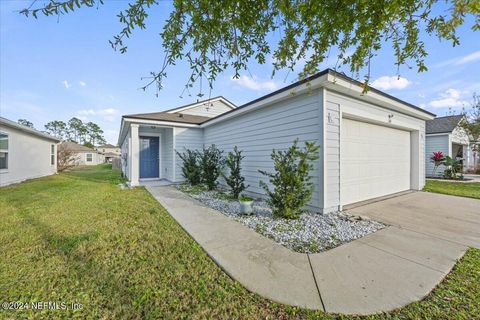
82 155
109 151
109 148
445 134
372 144
25 153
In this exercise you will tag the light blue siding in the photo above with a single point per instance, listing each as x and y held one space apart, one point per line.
433 144
272 127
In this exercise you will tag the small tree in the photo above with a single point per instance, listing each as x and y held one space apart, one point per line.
211 162
191 169
66 158
235 180
292 184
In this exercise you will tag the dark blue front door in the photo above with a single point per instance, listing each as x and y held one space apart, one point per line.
149 157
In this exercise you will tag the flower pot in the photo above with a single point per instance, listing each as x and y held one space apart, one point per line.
246 207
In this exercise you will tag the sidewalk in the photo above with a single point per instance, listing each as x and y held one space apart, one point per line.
380 272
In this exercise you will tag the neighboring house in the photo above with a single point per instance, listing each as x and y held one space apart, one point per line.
25 153
109 151
83 155
372 144
109 148
446 135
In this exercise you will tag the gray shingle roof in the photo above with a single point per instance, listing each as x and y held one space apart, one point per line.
73 146
443 124
172 117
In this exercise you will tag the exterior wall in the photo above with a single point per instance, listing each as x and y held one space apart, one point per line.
436 143
340 106
459 136
273 127
81 158
109 150
332 156
215 108
28 157
125 157
185 138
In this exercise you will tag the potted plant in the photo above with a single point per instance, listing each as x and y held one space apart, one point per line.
246 204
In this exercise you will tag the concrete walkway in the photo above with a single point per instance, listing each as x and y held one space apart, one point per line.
380 272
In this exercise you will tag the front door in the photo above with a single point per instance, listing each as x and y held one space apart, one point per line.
149 157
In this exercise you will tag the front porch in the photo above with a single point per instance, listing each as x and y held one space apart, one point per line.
151 155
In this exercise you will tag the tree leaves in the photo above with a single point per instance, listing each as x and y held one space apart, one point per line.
214 36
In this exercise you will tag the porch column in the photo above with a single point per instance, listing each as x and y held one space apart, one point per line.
135 165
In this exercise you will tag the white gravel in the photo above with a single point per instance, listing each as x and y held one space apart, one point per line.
311 233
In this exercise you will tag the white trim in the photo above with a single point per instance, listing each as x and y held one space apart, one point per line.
174 155
350 89
12 124
159 136
436 134
7 151
160 122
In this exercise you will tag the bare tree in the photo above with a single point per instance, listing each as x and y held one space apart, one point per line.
66 158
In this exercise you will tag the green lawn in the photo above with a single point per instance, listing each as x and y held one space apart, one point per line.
73 238
470 190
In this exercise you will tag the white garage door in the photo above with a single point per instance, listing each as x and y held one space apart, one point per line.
375 161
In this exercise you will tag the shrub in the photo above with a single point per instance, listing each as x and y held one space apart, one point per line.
453 167
234 180
437 158
191 169
211 163
292 184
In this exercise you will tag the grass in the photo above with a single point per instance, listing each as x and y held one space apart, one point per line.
77 238
470 190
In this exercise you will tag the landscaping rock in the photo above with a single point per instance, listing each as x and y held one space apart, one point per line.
311 233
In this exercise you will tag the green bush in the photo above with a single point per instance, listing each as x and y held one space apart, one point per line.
292 184
211 163
191 169
235 180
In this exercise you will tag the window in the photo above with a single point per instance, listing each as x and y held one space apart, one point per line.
3 151
52 154
89 157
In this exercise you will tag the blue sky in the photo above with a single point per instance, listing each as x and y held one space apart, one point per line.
55 70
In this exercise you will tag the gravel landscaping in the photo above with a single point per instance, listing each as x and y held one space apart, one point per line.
311 233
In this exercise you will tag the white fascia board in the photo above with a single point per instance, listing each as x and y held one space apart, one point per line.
282 95
340 85
436 134
127 121
160 123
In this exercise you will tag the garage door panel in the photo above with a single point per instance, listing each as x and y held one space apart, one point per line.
375 161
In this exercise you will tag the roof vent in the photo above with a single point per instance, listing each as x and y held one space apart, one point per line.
180 115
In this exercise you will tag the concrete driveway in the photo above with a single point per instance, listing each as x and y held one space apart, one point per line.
455 219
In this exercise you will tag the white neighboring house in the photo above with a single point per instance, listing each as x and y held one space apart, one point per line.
25 153
109 151
446 135
372 144
83 155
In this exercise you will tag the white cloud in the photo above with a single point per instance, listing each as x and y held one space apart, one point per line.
451 98
393 82
107 114
254 83
82 83
66 84
468 58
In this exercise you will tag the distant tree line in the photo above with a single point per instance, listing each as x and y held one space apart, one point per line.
87 133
